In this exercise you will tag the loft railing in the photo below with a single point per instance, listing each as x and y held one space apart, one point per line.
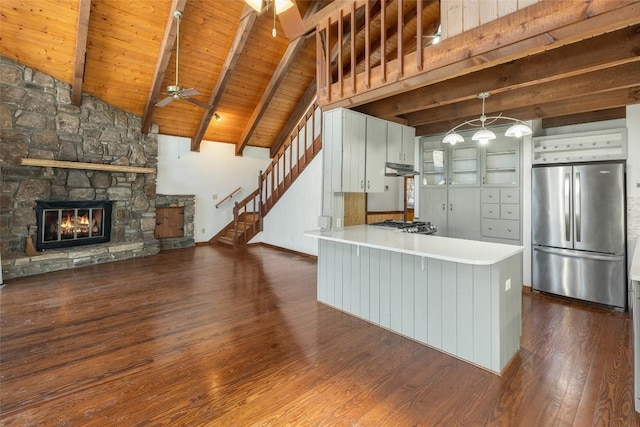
354 55
287 164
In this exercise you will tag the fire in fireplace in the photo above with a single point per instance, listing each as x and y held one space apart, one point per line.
72 223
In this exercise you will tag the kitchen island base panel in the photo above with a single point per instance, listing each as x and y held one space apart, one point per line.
461 309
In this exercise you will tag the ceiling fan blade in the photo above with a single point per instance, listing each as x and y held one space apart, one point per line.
165 101
199 103
189 92
291 21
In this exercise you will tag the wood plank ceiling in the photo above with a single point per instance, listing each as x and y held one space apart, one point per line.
255 82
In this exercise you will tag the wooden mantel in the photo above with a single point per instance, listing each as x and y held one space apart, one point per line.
81 165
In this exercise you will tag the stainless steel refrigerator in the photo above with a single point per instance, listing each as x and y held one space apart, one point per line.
579 231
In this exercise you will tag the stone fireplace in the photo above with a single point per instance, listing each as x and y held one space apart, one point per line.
38 121
72 223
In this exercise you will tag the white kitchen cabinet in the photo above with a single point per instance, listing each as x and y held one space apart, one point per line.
450 165
376 153
400 143
433 208
501 162
455 212
463 217
359 145
501 215
354 144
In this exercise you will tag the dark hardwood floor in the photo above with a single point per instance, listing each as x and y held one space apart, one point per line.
213 336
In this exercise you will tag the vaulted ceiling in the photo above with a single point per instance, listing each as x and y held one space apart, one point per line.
123 52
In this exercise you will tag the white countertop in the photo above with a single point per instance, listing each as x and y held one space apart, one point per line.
635 263
444 248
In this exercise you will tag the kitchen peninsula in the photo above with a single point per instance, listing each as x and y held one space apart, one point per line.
462 297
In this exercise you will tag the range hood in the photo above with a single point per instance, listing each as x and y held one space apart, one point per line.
399 169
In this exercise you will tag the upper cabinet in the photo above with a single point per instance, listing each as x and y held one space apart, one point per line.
360 148
468 164
501 163
400 143
449 165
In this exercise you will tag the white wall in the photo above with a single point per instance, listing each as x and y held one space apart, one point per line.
633 177
296 212
214 170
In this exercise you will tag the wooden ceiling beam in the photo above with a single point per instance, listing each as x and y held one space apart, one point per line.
277 77
541 110
587 55
84 10
294 117
588 117
242 35
168 41
623 76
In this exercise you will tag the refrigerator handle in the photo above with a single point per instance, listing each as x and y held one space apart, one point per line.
576 207
567 208
579 254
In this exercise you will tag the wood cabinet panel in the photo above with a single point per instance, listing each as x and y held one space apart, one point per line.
169 222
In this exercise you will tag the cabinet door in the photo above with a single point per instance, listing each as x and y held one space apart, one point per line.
434 163
464 213
501 162
353 152
394 143
408 144
376 153
464 165
433 208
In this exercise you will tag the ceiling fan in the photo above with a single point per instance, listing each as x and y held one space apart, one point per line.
176 91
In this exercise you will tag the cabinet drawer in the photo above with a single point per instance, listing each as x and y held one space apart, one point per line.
508 211
490 210
490 195
509 195
501 229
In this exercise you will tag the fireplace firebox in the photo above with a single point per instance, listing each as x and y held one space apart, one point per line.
72 223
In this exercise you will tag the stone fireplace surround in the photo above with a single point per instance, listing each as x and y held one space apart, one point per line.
38 120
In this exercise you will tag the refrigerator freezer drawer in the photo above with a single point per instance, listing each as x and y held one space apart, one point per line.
597 278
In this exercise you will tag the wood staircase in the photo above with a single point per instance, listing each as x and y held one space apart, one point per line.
291 158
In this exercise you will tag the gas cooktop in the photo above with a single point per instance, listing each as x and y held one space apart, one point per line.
417 227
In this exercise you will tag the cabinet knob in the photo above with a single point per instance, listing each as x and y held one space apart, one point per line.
490 228
490 211
451 207
509 212
444 207
362 183
368 184
509 230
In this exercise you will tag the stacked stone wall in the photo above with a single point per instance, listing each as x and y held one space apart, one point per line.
38 120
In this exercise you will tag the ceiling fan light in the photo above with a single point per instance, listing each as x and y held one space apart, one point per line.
282 5
255 4
483 136
452 138
517 130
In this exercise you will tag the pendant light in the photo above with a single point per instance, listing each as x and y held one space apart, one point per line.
484 135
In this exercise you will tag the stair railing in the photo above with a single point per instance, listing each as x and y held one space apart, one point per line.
228 197
250 205
292 157
287 164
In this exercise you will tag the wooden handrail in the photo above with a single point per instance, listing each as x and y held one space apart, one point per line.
228 197
288 162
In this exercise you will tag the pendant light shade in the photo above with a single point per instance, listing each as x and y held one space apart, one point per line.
282 5
517 130
484 135
453 138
